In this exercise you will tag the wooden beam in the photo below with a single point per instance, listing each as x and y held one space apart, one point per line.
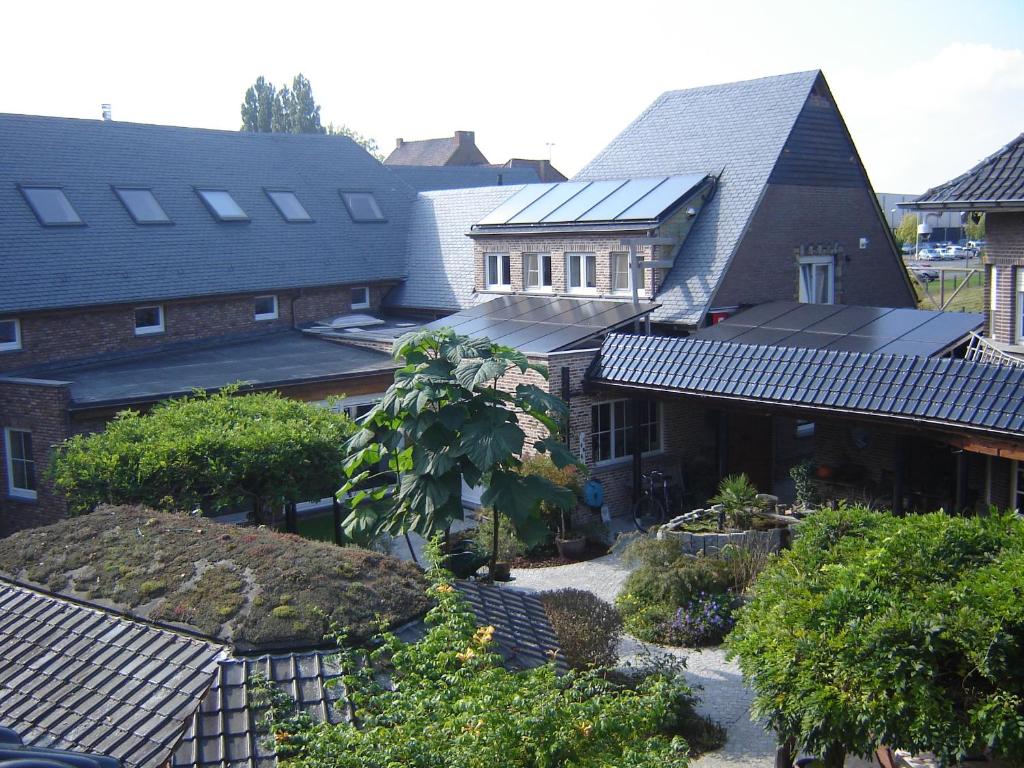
987 447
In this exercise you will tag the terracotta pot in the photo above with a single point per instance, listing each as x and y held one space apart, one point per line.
502 572
571 549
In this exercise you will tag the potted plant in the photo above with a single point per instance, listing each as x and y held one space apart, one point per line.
570 544
738 496
571 547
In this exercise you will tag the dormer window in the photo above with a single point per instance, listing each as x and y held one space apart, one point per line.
362 206
142 206
622 275
581 269
498 268
288 205
222 205
51 206
537 271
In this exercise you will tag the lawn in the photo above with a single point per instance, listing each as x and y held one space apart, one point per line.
970 299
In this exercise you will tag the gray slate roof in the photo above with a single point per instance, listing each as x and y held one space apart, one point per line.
75 677
227 731
112 259
991 184
423 152
940 392
439 252
737 128
426 178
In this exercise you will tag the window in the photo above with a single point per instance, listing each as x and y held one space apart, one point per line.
149 320
993 297
817 280
611 429
498 268
581 269
362 206
222 205
804 428
142 206
537 271
265 308
21 466
51 206
1018 485
1019 309
361 298
10 335
622 280
288 205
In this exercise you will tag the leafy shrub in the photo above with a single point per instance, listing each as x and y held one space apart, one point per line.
447 700
510 546
588 628
541 465
803 483
665 581
705 620
746 563
738 495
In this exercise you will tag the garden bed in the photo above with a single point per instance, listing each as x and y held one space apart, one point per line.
547 558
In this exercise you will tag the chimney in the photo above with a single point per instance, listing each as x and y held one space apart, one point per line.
501 180
106 112
399 143
465 137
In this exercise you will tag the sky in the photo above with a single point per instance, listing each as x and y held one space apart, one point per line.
927 88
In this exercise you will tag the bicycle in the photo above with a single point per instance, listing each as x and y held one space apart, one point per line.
652 507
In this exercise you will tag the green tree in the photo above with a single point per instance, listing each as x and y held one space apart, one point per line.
445 420
303 109
975 230
370 145
876 630
906 232
207 452
258 106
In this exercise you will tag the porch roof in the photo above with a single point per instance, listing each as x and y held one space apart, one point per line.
938 392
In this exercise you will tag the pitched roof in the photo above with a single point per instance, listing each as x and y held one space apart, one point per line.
739 129
75 677
425 178
940 392
111 259
423 152
996 183
444 274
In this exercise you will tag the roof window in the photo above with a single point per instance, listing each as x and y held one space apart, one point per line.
289 206
142 206
222 205
51 206
362 206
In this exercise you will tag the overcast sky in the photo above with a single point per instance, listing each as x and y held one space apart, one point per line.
927 88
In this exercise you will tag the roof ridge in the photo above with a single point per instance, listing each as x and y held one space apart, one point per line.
982 164
730 83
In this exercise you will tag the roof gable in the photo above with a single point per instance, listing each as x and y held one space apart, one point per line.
993 183
423 152
739 129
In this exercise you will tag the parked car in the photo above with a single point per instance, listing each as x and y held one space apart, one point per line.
976 244
954 252
930 254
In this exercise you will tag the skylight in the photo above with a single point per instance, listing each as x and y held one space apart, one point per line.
142 206
362 206
222 205
289 206
51 206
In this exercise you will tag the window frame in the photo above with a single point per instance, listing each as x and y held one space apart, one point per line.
542 258
25 188
628 290
271 191
149 330
359 304
12 346
17 492
654 450
141 222
814 262
376 204
503 264
1018 308
200 192
584 258
258 316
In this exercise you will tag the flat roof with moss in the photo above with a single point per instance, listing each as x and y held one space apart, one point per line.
252 587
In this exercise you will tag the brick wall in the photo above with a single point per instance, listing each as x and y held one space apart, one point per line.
48 337
1005 254
765 267
39 408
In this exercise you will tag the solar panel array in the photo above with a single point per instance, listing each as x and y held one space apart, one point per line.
847 329
539 324
570 202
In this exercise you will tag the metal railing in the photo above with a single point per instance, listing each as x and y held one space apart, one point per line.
981 350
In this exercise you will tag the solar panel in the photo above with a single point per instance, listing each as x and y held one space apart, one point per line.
548 202
621 199
759 315
583 202
803 316
848 320
894 324
854 343
945 327
659 199
520 200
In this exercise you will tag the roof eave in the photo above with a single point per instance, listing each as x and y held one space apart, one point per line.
1007 206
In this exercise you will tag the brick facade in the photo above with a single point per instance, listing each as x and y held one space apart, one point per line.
1004 258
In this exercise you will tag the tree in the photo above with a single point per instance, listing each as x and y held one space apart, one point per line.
974 227
876 630
258 106
365 142
906 232
445 420
207 452
303 109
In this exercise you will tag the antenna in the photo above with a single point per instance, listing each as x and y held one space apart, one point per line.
106 113
549 145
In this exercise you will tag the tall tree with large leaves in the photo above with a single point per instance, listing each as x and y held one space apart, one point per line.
445 420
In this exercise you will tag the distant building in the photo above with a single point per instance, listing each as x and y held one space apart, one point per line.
946 225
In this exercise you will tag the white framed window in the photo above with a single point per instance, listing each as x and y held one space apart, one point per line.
622 275
611 429
993 289
361 297
10 335
537 271
498 267
21 464
264 308
149 320
818 280
1019 308
581 272
804 428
